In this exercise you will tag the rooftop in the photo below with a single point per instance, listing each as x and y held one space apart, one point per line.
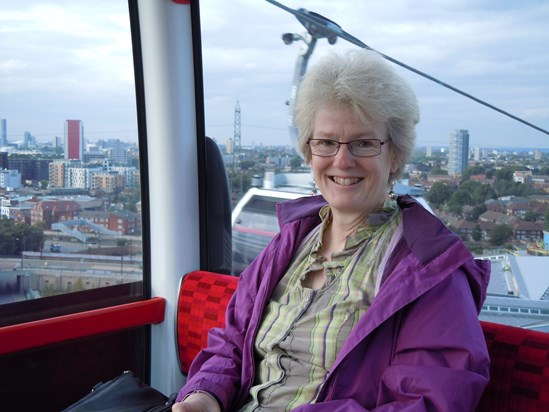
518 291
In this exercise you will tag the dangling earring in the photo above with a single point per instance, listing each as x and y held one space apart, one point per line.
392 194
314 192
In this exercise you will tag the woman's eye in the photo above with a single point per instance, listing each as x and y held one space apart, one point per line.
363 144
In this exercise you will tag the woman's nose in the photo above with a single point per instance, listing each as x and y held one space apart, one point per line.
344 157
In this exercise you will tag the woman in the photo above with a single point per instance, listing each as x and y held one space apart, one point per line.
360 302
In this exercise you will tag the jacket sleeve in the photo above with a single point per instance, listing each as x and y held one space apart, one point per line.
440 360
217 369
441 356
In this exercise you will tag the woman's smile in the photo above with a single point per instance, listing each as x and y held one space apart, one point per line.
345 181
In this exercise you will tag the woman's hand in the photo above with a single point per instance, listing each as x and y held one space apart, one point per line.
197 402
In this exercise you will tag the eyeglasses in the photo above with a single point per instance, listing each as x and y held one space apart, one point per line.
359 148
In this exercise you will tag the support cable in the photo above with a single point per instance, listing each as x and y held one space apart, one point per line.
319 26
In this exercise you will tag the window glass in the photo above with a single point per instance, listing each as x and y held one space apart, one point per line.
69 156
483 174
254 227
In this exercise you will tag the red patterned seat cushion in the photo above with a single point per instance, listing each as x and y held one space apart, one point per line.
519 371
203 298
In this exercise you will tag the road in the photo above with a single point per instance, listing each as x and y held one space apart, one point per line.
10 270
65 266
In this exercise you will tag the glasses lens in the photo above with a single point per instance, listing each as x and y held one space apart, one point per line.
365 147
323 147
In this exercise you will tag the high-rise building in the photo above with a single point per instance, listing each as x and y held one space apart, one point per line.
10 179
118 152
4 160
476 153
74 140
30 168
3 132
57 174
27 140
229 146
458 156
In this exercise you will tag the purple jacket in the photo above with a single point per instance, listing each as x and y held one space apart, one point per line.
419 347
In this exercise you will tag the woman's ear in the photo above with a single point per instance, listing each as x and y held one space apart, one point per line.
394 164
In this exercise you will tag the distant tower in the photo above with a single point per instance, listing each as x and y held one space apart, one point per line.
118 152
459 152
237 135
3 132
476 153
74 140
229 146
27 139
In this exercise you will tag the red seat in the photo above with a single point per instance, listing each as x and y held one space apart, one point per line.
519 372
203 298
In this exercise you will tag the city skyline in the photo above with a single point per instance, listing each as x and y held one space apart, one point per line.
253 144
495 51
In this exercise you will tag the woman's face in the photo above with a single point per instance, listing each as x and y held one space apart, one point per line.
351 185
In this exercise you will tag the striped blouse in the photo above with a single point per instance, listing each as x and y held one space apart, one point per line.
302 329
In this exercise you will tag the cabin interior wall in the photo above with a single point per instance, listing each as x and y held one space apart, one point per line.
48 379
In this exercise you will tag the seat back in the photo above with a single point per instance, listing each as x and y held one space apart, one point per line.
519 371
203 298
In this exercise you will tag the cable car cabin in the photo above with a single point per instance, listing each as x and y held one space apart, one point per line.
112 252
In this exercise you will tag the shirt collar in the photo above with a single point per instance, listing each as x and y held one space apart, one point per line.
375 220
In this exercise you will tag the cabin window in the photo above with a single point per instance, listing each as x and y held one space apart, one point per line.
69 124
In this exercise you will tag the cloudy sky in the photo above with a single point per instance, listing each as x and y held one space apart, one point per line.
60 60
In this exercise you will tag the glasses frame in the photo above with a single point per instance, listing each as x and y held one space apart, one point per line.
338 145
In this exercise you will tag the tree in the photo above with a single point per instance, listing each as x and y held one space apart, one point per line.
471 170
439 194
477 211
481 193
500 234
477 233
473 193
505 173
510 188
16 237
546 218
458 199
531 216
437 170
247 164
422 167
296 162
